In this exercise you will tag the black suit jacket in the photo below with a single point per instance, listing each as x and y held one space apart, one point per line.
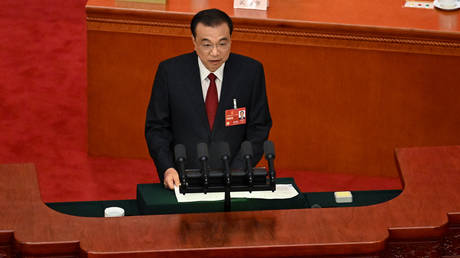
177 115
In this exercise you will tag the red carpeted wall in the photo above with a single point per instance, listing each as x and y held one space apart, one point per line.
43 105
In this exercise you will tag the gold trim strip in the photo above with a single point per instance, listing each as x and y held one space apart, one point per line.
325 39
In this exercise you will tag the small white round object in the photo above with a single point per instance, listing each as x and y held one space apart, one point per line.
114 212
447 4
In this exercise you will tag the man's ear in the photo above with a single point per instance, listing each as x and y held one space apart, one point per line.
194 41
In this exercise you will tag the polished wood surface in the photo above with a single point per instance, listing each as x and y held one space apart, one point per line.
347 81
390 13
423 220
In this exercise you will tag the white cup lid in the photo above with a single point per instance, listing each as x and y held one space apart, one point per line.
114 212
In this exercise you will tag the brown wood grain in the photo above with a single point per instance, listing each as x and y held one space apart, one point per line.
421 214
370 13
344 89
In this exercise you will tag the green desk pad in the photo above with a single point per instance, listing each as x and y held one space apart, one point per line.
154 199
94 208
162 201
360 198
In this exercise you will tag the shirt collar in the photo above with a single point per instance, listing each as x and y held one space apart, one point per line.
204 72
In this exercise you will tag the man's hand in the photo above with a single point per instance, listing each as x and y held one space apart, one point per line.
171 178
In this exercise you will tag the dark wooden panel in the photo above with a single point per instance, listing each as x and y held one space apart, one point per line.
451 241
430 249
6 244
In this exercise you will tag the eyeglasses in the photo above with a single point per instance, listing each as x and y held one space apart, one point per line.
221 46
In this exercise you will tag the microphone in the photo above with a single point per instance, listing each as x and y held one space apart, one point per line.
223 150
269 150
181 157
246 152
203 156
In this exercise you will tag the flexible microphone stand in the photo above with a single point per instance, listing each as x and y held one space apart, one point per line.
181 157
202 150
246 152
269 150
224 154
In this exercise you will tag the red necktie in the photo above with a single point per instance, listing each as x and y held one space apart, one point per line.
211 100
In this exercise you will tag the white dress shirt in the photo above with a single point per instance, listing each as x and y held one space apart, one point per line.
204 72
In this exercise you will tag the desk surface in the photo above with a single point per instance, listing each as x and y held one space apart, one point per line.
153 199
373 13
416 214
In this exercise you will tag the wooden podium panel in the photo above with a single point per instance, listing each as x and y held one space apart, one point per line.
347 82
423 221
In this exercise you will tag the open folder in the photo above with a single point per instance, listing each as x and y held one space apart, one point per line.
283 191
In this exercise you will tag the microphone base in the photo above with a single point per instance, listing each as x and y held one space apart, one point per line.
216 181
227 201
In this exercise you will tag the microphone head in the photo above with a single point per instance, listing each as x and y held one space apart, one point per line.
269 149
223 150
179 152
202 150
246 149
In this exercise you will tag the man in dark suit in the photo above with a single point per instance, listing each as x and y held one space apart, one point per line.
197 97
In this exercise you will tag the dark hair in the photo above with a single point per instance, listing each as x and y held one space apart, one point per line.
211 18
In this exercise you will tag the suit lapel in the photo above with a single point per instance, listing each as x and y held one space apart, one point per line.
196 93
227 92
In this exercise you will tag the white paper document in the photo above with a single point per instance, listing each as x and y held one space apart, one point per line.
283 191
251 4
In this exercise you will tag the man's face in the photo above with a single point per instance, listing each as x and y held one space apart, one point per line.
212 44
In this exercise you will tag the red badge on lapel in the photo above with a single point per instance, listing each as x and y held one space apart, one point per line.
235 116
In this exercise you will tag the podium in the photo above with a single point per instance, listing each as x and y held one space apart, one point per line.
424 218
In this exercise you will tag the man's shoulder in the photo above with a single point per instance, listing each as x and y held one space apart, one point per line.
184 59
244 60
